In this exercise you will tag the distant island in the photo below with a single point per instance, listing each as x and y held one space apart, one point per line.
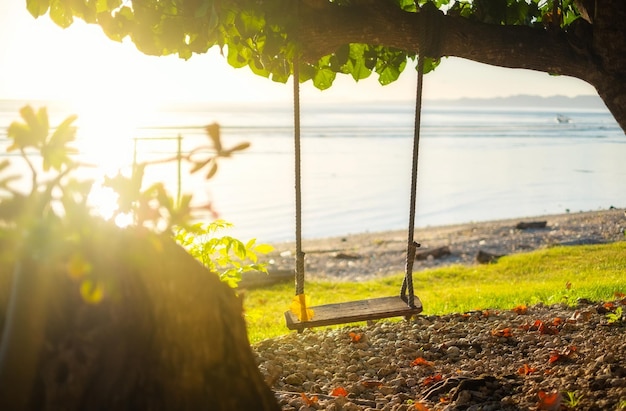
578 102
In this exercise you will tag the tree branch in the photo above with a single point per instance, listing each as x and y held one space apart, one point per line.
437 35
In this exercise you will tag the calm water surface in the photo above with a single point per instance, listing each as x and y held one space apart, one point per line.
474 165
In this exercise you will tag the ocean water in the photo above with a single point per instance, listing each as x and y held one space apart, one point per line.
475 163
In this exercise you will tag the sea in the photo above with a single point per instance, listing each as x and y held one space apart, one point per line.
477 162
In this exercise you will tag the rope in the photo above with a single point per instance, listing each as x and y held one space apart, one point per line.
296 122
412 246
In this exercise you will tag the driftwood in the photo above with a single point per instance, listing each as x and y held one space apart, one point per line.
525 225
438 252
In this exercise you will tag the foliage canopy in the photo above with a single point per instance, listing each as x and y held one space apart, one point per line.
265 35
584 39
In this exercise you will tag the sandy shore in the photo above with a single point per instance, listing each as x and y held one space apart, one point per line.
363 256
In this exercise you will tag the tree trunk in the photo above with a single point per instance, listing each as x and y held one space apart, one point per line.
168 335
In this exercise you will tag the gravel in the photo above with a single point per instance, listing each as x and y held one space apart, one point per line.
533 358
483 360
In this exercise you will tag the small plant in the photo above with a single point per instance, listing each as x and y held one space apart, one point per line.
622 405
615 317
224 255
572 399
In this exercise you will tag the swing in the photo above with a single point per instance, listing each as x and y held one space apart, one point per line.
406 304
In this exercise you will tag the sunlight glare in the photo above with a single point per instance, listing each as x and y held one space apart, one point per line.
107 128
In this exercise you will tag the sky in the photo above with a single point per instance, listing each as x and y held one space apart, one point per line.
40 60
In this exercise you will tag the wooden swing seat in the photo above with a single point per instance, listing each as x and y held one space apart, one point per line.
355 311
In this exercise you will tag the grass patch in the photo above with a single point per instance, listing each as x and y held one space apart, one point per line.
554 275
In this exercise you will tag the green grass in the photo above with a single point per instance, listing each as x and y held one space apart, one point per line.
593 272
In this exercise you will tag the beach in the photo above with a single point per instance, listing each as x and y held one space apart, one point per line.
368 255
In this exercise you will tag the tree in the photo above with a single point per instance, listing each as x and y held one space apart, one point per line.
579 38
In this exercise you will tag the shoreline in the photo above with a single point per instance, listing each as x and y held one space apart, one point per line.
359 257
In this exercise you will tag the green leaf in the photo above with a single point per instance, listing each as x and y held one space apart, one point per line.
324 76
64 133
33 132
61 14
107 5
248 24
56 156
184 52
37 7
389 73
238 57
430 64
407 5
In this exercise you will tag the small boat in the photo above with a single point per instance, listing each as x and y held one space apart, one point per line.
562 118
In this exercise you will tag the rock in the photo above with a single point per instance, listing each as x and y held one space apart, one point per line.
525 225
294 379
434 253
485 257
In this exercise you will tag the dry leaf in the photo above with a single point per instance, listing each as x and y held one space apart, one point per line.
564 354
420 407
549 401
339 392
355 338
421 361
308 400
431 380
520 309
505 332
526 370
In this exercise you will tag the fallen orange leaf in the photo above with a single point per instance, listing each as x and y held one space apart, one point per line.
549 401
421 361
609 306
520 309
354 337
420 407
339 392
432 379
308 400
526 370
544 328
563 354
505 332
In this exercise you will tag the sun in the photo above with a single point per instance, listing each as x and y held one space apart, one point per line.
107 127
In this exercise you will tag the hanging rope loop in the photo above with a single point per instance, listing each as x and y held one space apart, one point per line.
412 245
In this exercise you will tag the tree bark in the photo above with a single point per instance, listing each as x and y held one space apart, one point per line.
168 335
593 51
